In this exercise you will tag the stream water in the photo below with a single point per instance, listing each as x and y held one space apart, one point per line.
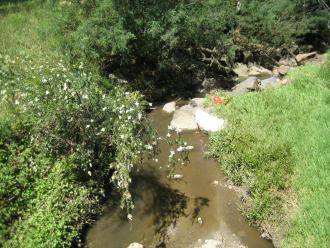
181 213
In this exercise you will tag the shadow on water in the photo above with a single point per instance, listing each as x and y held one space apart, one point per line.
164 203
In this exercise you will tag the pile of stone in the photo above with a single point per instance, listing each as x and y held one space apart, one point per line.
193 116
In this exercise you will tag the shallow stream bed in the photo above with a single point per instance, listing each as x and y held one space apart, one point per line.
177 213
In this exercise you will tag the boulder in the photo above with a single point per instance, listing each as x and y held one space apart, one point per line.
271 82
135 245
304 56
207 122
212 243
210 84
197 102
241 70
184 119
169 107
282 70
258 71
288 62
247 85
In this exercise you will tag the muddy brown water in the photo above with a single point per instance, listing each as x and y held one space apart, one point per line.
177 214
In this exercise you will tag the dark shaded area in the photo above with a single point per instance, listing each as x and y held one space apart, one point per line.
199 203
165 204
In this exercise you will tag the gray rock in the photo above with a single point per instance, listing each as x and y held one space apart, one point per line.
169 107
304 56
184 119
282 70
241 70
209 84
258 71
288 62
247 85
197 102
212 243
135 245
207 122
271 82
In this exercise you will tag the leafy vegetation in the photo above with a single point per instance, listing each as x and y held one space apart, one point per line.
276 143
66 135
172 45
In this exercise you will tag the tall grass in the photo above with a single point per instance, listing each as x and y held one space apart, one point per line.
278 142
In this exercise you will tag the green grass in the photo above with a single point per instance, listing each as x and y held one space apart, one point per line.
25 27
278 143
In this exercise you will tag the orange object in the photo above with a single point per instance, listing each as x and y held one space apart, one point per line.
218 100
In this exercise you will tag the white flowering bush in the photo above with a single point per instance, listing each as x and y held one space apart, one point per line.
94 135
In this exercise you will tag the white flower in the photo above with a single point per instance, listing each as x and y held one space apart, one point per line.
172 153
104 108
178 130
85 96
89 173
156 160
65 87
139 116
87 126
149 147
150 104
168 135
92 120
47 92
16 102
102 129
130 217
137 103
180 149
129 117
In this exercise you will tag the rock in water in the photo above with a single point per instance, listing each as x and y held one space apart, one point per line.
184 119
135 245
177 177
208 122
247 85
212 243
169 107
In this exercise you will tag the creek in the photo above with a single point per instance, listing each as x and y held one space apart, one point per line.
177 213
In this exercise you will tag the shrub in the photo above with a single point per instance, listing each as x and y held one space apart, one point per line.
156 43
69 139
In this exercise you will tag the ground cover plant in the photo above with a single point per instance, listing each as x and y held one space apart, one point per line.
276 143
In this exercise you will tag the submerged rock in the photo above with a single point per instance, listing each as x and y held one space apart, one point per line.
207 122
177 177
135 245
184 119
212 243
169 107
247 85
